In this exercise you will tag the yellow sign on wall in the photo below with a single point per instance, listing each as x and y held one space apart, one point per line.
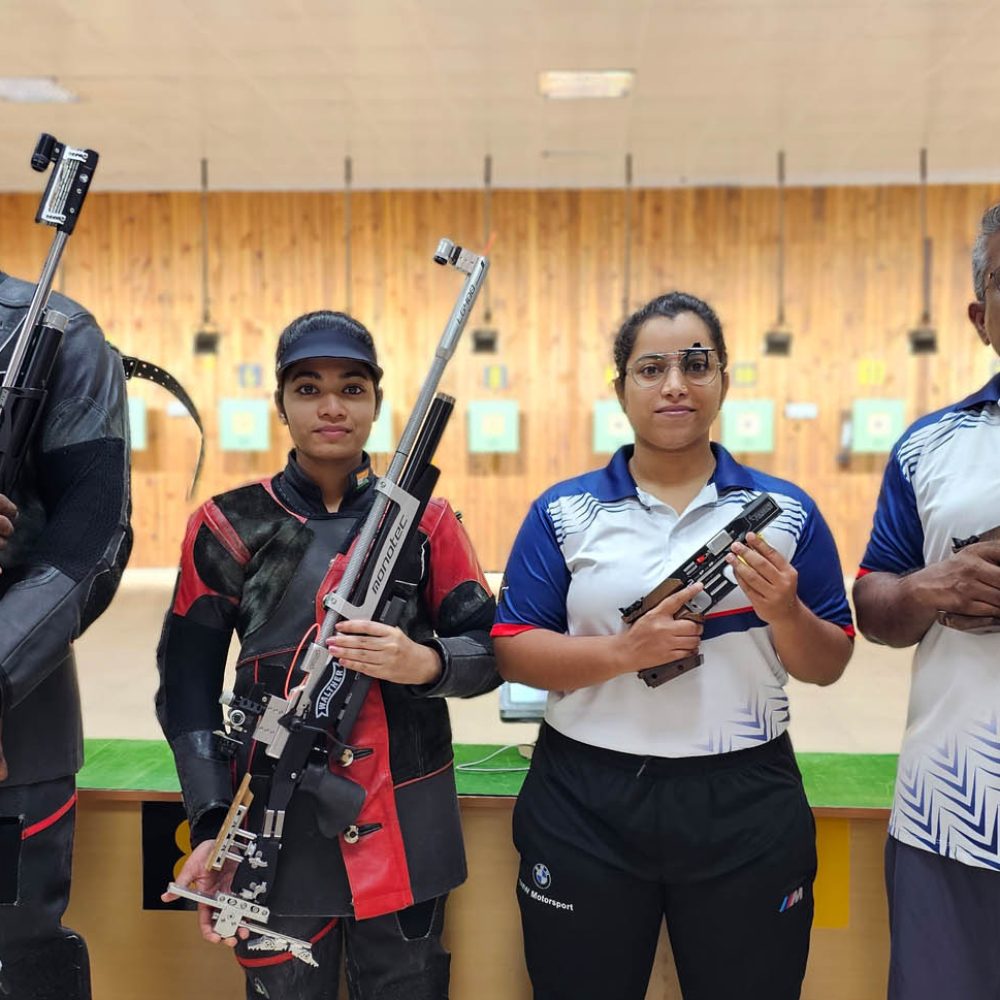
871 371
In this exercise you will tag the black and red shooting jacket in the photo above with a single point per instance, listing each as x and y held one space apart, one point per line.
257 560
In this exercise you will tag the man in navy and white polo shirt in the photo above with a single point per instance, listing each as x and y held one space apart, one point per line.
931 576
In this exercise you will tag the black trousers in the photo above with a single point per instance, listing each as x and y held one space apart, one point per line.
944 924
611 844
40 959
395 957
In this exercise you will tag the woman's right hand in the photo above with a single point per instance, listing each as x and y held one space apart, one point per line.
194 876
658 637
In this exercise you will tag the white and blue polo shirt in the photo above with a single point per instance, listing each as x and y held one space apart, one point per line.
942 483
592 545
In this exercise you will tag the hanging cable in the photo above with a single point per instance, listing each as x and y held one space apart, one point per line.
484 338
927 245
487 230
627 237
206 304
348 177
778 340
781 239
923 338
206 338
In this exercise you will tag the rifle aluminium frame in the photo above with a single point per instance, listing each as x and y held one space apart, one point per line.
23 389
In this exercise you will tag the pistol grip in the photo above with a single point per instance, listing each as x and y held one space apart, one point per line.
687 615
655 676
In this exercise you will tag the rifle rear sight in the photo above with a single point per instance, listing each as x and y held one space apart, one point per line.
449 253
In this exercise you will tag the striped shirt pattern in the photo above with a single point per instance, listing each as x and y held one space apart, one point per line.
941 484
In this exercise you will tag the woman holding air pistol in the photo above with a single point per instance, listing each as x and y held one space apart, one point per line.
682 801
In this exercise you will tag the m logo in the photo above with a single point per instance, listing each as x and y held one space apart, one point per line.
791 899
542 876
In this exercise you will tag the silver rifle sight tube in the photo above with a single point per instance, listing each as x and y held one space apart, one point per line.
38 302
476 270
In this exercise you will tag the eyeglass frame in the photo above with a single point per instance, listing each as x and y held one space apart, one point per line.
992 279
675 363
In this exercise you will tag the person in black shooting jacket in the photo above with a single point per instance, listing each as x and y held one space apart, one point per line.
255 559
61 568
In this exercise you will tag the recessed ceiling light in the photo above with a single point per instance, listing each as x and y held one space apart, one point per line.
585 83
34 90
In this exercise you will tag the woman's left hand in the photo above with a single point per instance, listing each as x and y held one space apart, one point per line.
384 652
767 578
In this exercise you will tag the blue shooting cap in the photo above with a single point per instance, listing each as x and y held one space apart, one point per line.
328 342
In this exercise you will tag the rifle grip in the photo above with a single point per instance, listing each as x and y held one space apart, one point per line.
655 676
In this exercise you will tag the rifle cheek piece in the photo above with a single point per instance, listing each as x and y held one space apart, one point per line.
337 800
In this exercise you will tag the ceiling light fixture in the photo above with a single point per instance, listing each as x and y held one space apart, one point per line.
34 90
582 84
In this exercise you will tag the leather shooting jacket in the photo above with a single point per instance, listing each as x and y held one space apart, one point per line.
71 539
257 560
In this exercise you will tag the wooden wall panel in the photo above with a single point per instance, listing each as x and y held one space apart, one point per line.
853 291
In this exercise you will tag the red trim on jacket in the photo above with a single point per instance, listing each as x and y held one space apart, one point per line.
863 572
452 560
257 657
190 585
285 956
269 490
220 526
502 629
424 777
44 824
376 864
